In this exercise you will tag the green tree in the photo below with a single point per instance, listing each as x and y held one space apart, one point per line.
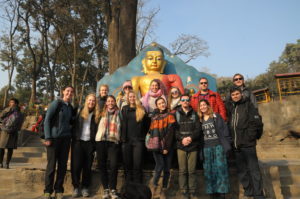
288 62
10 44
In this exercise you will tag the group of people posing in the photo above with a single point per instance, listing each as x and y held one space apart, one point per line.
198 126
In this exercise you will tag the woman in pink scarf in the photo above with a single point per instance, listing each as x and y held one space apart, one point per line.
157 89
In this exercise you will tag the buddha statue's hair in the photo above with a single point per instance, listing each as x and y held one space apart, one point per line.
153 47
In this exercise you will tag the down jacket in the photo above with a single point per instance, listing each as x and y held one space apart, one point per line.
241 123
214 100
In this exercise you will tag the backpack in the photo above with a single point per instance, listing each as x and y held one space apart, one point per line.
177 116
54 120
13 122
259 125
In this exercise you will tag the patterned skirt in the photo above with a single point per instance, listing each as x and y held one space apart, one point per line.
215 170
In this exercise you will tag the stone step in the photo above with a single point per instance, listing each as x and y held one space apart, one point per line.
32 181
291 197
7 180
28 159
23 195
31 149
265 144
34 144
282 151
30 154
289 170
291 190
290 179
279 155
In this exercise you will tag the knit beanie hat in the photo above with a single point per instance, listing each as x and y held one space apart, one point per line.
126 83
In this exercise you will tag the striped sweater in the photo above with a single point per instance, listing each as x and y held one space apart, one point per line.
162 126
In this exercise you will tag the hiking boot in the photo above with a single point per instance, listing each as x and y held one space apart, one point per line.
59 196
85 192
47 196
163 194
184 195
113 194
193 195
105 194
75 193
154 189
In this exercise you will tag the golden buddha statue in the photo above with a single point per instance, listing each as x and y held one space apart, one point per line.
154 65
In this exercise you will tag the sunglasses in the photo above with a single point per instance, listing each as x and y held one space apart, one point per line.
237 79
185 100
174 92
203 83
127 87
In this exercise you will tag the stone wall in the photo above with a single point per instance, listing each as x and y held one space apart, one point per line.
281 119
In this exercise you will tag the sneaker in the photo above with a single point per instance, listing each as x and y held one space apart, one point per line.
105 194
47 196
85 192
59 196
75 193
113 194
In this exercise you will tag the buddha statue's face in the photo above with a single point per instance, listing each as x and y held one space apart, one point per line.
154 62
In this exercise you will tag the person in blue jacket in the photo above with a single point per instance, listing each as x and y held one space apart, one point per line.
58 131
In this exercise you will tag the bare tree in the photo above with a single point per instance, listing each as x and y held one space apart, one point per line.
189 46
145 21
11 15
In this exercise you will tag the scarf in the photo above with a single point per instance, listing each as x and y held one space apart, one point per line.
109 128
145 99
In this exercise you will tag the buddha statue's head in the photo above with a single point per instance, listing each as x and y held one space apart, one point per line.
154 60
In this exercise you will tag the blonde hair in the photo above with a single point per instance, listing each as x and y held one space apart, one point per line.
140 111
170 96
103 114
85 111
210 110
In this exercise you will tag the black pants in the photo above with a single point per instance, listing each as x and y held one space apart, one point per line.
132 156
57 153
108 152
248 172
8 157
81 163
162 164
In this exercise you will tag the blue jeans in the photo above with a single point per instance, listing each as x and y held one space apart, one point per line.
162 163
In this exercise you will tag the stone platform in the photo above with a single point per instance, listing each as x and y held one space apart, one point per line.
280 167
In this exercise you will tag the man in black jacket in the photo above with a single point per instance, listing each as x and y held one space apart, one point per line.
241 115
188 133
239 82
